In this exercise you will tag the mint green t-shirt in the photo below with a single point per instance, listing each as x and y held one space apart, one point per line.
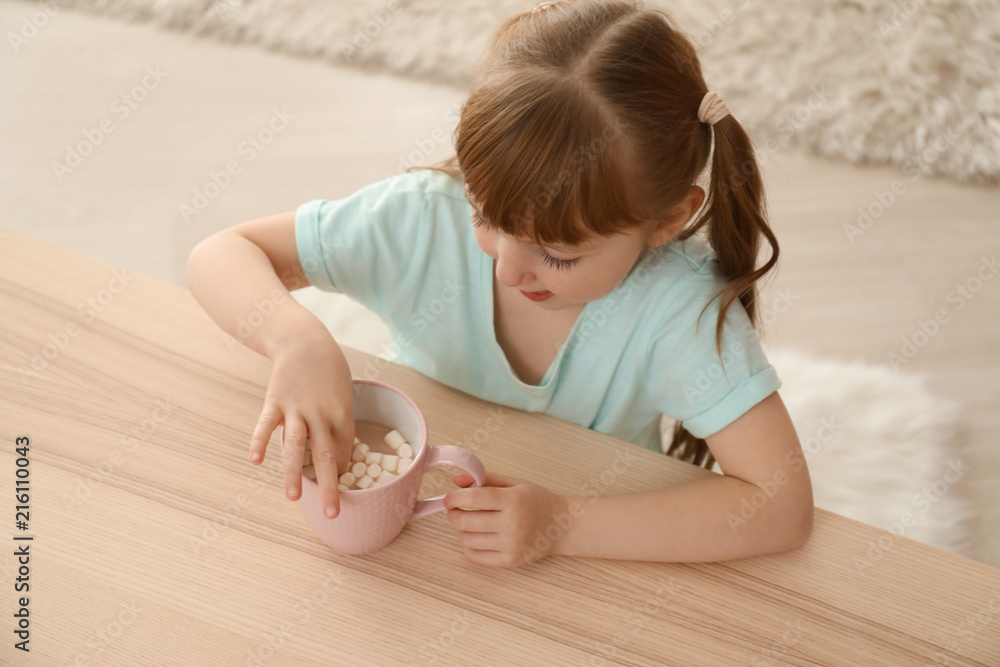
404 247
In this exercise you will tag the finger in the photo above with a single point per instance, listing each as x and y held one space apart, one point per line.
480 541
270 418
493 479
325 463
476 498
294 445
463 479
483 557
344 437
476 521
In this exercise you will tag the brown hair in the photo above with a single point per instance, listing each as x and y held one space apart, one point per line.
582 118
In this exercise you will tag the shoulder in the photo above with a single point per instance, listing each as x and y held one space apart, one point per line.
692 256
676 275
427 183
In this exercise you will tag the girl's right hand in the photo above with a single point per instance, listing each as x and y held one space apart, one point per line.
310 393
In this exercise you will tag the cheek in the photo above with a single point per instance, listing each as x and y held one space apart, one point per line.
486 241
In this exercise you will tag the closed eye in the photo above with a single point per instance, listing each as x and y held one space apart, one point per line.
555 262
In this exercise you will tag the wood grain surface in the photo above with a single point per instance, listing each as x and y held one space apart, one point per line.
157 542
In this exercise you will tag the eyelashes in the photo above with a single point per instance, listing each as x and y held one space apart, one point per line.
554 262
557 263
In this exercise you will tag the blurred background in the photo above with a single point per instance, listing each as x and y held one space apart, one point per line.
130 130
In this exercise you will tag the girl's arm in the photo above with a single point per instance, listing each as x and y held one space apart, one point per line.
241 276
762 504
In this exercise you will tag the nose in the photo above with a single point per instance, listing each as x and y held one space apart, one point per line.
513 263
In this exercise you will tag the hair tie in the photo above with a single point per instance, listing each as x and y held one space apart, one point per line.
545 5
712 108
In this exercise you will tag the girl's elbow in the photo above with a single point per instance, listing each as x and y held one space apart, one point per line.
803 525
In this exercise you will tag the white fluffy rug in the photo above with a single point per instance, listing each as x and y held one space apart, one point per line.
911 83
881 447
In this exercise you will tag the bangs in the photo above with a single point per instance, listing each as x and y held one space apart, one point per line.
546 162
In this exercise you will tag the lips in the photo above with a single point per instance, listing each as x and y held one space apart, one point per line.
537 296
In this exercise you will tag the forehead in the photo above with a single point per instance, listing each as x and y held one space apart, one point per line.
586 244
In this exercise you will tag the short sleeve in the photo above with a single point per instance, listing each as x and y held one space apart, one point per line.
689 380
365 244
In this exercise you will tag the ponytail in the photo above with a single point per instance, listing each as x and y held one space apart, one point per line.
737 221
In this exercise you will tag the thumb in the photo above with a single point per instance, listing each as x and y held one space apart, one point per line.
464 480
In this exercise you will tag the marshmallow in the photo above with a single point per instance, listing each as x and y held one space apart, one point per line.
403 465
394 439
343 487
374 470
384 477
373 457
364 482
356 441
359 469
359 453
348 478
405 451
389 462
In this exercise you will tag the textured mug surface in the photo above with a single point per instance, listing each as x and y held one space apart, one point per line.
371 518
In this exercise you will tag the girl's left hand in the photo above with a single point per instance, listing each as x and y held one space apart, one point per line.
506 521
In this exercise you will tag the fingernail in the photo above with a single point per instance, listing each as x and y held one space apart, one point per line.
255 456
293 490
331 511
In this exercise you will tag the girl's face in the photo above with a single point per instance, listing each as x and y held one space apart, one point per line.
558 277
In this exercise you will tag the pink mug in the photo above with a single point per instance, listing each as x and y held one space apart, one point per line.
371 518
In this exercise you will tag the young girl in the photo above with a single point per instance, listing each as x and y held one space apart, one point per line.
566 276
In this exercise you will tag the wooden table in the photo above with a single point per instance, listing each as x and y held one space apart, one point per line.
155 541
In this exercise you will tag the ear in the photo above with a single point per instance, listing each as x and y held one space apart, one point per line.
679 217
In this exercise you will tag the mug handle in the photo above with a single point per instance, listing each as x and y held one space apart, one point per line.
448 455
